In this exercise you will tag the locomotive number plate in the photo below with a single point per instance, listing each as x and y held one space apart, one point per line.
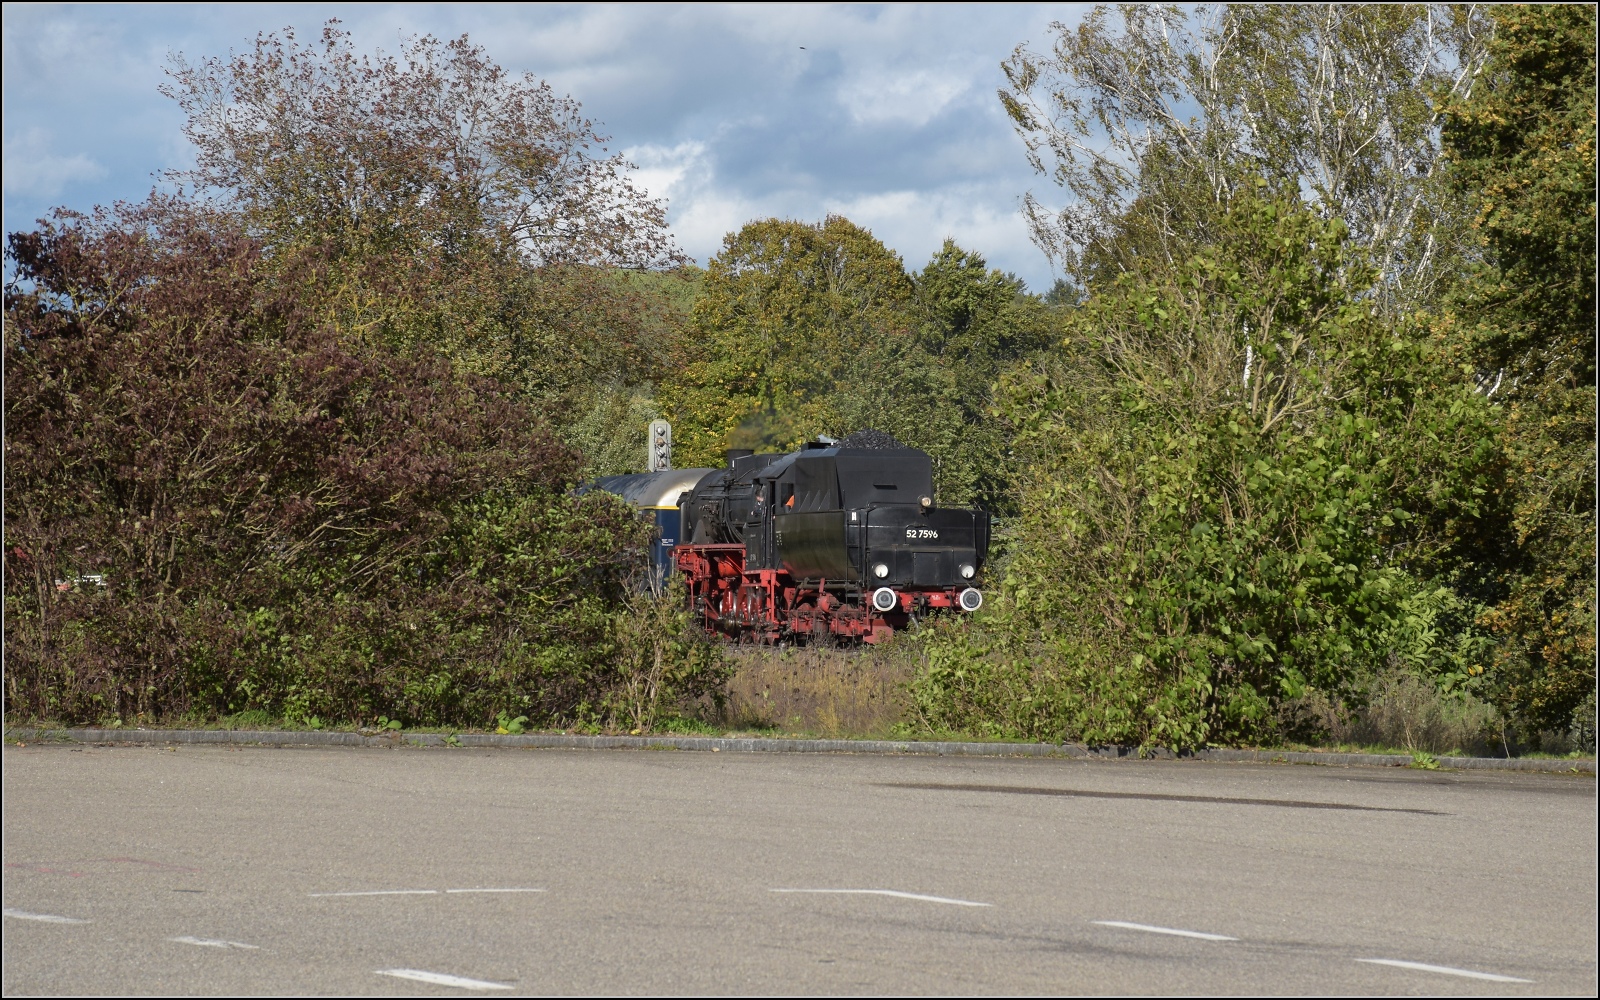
922 533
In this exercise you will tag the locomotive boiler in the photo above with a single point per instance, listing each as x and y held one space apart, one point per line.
839 539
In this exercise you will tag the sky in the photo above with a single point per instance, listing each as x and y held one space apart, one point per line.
883 113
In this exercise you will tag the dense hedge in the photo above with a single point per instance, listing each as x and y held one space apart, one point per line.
218 501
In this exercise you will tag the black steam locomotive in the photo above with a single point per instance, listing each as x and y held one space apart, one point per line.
840 538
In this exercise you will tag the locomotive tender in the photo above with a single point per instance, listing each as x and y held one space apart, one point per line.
838 539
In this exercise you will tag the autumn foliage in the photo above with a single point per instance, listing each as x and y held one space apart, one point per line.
298 438
1308 419
217 502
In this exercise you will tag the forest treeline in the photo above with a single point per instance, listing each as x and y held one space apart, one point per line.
1309 412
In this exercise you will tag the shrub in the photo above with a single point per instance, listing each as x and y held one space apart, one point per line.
664 658
1234 482
219 501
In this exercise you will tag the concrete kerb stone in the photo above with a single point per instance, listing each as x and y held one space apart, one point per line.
246 737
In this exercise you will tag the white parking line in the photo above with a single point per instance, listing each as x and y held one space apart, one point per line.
46 918
214 943
494 890
1443 969
443 979
1163 930
382 892
889 892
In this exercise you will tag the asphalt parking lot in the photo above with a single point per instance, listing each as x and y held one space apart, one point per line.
226 870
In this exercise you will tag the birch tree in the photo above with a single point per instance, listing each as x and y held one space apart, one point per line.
1150 117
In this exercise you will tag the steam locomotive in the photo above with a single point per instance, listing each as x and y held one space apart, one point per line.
839 539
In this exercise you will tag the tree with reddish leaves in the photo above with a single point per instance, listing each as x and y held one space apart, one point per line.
219 501
437 148
290 440
433 200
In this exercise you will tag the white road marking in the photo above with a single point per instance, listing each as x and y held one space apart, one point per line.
1163 930
1444 969
494 890
443 979
890 892
412 892
47 918
382 892
214 943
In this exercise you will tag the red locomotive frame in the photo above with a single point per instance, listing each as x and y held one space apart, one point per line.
764 605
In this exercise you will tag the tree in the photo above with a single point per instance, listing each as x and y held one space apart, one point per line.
1522 151
447 205
1152 117
817 329
786 313
216 501
1237 485
435 148
935 390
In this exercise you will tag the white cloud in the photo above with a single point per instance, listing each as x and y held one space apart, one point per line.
912 98
702 210
699 213
916 224
885 113
32 169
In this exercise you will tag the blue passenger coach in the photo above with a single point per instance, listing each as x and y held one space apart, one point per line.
656 495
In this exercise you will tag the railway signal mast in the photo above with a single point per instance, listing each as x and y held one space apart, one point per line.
660 446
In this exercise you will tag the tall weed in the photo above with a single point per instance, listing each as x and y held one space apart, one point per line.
1404 711
664 659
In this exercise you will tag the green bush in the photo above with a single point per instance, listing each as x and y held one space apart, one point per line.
664 659
218 503
1236 487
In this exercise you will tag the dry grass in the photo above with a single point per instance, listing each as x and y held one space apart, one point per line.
861 693
818 691
1409 713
